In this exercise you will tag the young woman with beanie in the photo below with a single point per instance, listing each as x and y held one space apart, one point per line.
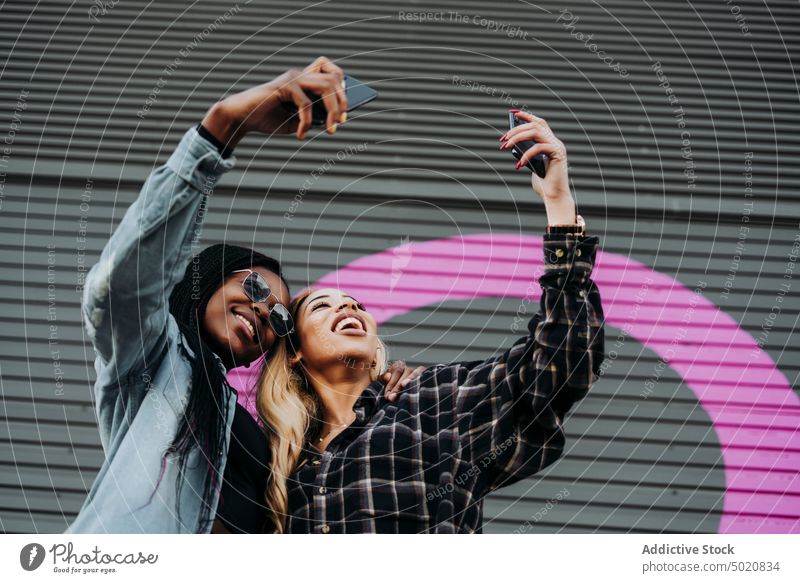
181 454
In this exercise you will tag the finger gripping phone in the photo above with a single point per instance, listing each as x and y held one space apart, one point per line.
537 164
357 93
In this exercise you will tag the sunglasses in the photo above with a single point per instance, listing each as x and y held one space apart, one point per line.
257 289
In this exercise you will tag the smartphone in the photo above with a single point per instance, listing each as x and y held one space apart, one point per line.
357 93
536 164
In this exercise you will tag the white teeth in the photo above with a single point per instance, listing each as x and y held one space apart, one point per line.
347 321
247 322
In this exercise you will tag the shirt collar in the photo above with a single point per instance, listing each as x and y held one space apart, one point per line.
368 400
364 407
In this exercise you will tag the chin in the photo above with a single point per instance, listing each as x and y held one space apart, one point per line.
248 355
360 357
242 362
354 363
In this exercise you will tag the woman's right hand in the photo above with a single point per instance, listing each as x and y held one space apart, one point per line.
261 108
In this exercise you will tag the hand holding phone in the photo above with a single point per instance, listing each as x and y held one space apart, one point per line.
357 95
537 164
533 138
261 108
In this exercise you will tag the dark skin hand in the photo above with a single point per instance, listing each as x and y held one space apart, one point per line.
261 109
398 377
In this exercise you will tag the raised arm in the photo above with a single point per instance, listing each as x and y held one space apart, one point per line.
125 296
510 408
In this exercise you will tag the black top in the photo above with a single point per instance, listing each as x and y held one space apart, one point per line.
242 507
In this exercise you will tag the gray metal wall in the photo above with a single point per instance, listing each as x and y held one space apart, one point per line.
94 97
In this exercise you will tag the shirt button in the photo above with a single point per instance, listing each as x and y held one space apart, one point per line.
315 462
559 252
325 529
578 252
322 489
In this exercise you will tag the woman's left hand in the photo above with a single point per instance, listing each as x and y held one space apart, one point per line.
397 377
554 187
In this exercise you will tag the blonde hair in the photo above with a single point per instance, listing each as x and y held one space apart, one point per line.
290 412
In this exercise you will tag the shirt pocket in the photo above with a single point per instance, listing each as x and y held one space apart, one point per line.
397 474
392 500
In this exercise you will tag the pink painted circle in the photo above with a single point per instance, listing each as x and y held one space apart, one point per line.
750 401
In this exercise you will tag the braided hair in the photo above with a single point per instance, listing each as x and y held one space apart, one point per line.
203 423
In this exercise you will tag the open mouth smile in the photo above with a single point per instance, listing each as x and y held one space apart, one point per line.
349 324
248 325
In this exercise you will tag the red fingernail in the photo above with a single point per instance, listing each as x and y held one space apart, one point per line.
514 110
518 165
503 137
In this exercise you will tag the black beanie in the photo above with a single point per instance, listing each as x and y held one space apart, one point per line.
207 271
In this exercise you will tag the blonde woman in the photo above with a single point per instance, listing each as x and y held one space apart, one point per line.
357 462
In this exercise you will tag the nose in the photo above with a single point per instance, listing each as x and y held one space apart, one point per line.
261 310
348 304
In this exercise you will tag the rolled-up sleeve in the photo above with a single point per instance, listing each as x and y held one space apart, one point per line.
125 297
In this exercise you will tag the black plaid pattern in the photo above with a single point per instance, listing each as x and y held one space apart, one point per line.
424 462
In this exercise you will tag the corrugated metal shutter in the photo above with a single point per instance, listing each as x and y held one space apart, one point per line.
76 77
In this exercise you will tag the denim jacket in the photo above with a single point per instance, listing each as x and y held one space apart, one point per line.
143 366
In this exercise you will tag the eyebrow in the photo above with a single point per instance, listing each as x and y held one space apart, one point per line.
327 296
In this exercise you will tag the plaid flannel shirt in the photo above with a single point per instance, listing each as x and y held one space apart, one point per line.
424 462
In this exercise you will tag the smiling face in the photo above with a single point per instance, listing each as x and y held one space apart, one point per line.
234 327
334 328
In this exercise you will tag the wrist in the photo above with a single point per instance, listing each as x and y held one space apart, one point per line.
220 122
561 211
